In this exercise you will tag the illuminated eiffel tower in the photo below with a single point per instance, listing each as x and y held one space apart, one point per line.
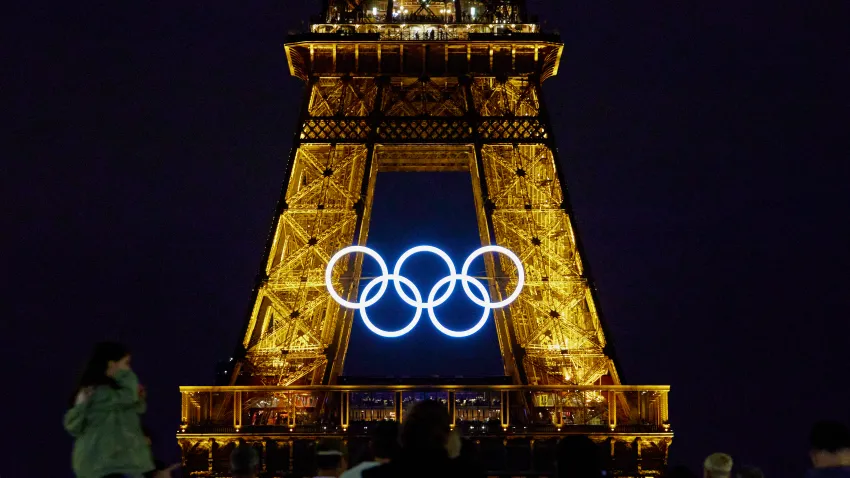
415 87
420 85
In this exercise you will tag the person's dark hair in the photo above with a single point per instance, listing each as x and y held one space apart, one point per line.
829 436
426 427
579 457
95 372
385 442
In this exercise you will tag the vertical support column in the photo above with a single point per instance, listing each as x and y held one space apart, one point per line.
291 444
291 419
184 453
184 410
357 58
343 410
559 415
210 460
237 411
401 57
612 410
379 60
339 348
303 114
506 409
264 458
399 407
490 52
513 58
663 414
452 410
425 51
334 57
210 408
567 208
638 455
511 351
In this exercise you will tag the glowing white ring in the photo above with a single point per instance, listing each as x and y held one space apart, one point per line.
481 321
397 272
519 269
416 316
384 277
450 279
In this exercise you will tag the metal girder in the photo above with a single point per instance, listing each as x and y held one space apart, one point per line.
355 127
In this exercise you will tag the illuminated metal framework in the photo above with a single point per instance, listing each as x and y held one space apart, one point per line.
420 85
374 100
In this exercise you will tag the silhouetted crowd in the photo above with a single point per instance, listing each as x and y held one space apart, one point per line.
110 441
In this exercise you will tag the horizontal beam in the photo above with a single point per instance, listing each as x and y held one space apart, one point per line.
430 129
396 388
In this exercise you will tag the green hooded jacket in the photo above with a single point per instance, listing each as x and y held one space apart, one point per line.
108 432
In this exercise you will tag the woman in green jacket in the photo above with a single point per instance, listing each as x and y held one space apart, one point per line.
104 418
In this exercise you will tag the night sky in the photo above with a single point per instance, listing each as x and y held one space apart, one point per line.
703 145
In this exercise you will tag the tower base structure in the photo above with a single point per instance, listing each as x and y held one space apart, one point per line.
509 430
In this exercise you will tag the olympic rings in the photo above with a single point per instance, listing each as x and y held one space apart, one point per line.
432 301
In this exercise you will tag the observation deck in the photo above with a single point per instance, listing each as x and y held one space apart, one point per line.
629 423
423 38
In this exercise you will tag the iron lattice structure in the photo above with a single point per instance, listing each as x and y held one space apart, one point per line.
424 86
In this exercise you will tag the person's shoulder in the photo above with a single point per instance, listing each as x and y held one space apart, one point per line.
357 470
380 471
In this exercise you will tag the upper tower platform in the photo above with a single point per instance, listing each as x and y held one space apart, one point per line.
424 38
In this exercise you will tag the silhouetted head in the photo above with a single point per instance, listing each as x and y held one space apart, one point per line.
717 465
426 428
829 445
578 457
385 440
106 359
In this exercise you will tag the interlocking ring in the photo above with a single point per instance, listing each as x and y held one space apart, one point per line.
416 301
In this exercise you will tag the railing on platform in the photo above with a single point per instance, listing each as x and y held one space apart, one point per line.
474 410
429 31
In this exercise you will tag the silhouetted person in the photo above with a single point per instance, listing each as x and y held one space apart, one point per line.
244 461
424 441
578 457
830 450
104 417
330 461
717 465
383 449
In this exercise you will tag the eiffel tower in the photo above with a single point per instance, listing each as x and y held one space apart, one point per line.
422 85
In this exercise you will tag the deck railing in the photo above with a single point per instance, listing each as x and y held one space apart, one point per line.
473 410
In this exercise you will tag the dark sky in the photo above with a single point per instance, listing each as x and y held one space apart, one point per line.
703 145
